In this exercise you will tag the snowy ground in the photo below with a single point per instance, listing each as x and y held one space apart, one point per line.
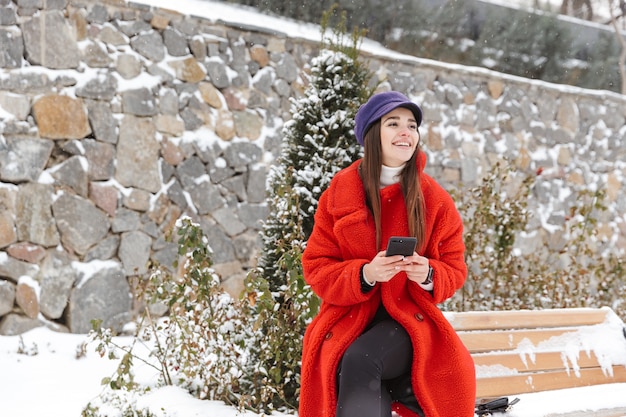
47 379
42 374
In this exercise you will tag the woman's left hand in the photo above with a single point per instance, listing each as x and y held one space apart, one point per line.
416 268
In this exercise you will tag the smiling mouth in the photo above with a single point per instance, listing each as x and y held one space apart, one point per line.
402 144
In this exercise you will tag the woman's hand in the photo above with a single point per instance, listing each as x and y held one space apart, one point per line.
417 268
383 268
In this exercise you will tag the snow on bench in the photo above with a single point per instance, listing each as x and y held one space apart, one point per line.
527 351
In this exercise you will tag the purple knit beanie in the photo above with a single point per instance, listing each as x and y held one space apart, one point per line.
377 106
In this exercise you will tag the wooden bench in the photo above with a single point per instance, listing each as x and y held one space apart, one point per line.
527 351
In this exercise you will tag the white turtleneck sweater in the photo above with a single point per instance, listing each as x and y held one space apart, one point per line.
390 175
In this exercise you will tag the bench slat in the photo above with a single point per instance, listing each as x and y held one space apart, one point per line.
544 381
483 341
497 341
541 361
516 319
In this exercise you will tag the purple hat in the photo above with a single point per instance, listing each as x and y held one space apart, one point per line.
377 106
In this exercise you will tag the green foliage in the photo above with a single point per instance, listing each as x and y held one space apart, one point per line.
206 331
573 273
281 316
123 402
335 22
602 64
533 47
492 220
123 378
248 352
453 20
377 17
199 345
318 142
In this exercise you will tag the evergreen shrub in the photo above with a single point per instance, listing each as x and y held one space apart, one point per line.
318 142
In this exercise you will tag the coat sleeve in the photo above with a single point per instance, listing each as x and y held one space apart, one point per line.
334 279
445 248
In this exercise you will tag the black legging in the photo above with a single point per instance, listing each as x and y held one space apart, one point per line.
375 363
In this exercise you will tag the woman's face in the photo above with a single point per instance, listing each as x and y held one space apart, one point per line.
398 136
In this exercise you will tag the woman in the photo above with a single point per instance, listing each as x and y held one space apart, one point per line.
379 341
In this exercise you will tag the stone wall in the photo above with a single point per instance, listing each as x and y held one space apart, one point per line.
117 119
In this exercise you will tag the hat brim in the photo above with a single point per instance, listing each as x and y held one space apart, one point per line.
389 107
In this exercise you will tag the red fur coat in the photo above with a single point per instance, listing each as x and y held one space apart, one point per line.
343 239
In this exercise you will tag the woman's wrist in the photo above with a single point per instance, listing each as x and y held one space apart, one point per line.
371 284
429 277
366 286
364 277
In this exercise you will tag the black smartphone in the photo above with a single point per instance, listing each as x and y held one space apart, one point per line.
401 245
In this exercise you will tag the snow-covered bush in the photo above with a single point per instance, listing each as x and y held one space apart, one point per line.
573 274
200 344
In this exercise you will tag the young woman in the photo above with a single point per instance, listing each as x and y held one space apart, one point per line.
379 342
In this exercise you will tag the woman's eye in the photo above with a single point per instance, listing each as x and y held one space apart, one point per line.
394 124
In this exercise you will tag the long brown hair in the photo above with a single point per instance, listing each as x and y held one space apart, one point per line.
370 170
